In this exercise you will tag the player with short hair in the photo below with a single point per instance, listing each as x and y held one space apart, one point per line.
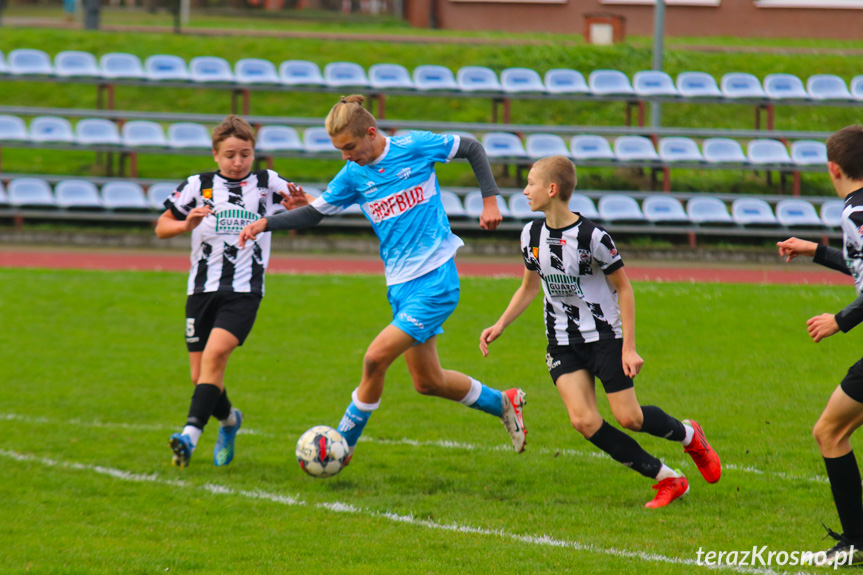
843 414
394 182
225 284
589 310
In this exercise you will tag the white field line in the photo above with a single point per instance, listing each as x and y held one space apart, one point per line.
444 444
338 507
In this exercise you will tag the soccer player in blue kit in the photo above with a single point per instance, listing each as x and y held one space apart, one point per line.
394 182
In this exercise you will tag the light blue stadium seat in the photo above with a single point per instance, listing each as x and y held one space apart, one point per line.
584 206
722 151
697 85
142 133
210 69
12 128
664 209
159 192
519 208
634 149
301 73
165 67
30 193
4 199
382 76
765 151
707 210
590 147
92 131
432 77
784 86
827 87
521 80
607 82
679 149
452 205
276 138
653 83
345 74
256 71
831 212
51 129
503 145
473 205
77 195
857 87
741 85
4 69
752 212
29 62
189 135
477 79
74 63
565 81
544 145
797 212
124 196
316 140
121 65
808 152
620 209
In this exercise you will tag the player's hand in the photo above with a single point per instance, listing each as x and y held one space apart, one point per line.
822 326
296 197
196 215
488 335
793 247
632 363
250 232
490 217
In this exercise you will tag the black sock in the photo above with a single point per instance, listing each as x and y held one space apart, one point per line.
625 450
847 491
203 402
660 424
222 410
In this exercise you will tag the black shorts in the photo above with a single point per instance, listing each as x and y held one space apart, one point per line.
603 359
233 312
852 384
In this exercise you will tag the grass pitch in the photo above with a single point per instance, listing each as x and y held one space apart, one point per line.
94 379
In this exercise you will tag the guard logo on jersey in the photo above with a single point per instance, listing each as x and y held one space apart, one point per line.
561 285
232 221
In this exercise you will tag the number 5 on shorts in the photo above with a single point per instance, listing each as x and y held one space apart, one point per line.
190 327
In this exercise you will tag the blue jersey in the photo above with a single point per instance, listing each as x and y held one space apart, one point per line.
400 196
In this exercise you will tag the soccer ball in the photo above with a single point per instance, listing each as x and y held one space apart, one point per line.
322 451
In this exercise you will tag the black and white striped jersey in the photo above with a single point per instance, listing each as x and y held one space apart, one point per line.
218 264
580 302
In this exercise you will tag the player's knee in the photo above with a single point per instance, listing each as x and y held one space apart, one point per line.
585 424
373 364
426 385
825 435
630 421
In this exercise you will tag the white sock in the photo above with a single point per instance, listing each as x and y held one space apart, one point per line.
472 394
666 472
690 433
194 434
230 421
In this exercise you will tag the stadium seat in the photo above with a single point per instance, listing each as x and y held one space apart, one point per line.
477 79
634 149
722 151
519 208
679 149
741 85
4 199
12 128
124 196
164 67
301 73
277 138
653 83
827 87
74 63
143 134
664 209
29 62
619 209
764 151
121 65
752 212
4 69
857 87
452 204
707 210
316 140
345 74
544 145
697 85
430 77
521 80
256 71
831 212
784 86
584 206
808 152
503 145
77 195
565 81
473 205
159 192
51 129
590 147
607 82
382 76
30 193
210 69
189 135
92 131
797 212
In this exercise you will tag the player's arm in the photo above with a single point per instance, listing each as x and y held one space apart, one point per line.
474 153
522 297
298 219
632 362
821 254
168 226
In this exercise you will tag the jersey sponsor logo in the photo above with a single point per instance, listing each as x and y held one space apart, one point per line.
207 193
232 221
561 285
396 204
556 241
551 362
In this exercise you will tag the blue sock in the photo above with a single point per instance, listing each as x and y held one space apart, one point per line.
353 422
489 400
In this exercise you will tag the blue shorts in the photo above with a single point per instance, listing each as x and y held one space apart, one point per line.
420 306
